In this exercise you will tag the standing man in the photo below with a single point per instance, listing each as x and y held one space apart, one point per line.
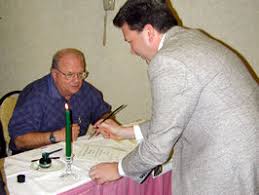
39 117
203 106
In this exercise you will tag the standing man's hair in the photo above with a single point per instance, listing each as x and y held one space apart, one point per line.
138 13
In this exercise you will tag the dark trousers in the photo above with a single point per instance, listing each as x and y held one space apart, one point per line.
2 184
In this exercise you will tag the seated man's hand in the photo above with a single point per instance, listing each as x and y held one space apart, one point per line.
61 134
75 131
104 172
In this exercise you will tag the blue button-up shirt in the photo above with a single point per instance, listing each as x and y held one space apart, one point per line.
41 108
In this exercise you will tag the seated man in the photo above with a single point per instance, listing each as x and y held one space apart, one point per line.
39 115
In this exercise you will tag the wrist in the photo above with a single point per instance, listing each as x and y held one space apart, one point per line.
52 138
60 135
126 132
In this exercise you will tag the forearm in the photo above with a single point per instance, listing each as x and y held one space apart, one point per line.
35 139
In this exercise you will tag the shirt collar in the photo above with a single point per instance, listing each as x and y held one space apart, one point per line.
161 42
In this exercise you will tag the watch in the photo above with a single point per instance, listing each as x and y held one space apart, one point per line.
52 138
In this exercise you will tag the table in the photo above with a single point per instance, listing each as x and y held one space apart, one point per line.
125 186
87 153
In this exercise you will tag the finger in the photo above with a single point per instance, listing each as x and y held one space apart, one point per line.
75 136
98 122
76 130
100 181
92 168
102 125
107 135
92 173
93 177
99 131
75 126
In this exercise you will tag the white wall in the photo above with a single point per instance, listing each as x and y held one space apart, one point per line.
235 22
32 30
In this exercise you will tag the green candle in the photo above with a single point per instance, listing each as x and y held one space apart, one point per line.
68 131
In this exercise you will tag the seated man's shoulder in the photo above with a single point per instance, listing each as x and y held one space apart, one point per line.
35 89
89 89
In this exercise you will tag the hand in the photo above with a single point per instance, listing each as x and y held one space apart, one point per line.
109 129
61 134
104 172
75 131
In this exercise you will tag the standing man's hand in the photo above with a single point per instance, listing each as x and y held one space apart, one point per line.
109 128
104 172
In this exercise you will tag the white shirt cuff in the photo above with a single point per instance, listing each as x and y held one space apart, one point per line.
138 134
121 172
139 138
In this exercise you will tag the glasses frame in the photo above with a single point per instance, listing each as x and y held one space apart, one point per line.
71 75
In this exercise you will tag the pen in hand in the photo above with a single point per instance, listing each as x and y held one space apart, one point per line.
113 113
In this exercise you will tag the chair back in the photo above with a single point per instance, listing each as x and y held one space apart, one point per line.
2 144
7 104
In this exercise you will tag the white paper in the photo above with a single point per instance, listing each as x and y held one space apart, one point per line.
99 153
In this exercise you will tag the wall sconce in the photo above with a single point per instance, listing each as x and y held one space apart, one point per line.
108 5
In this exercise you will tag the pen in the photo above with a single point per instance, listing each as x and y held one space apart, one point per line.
157 170
113 113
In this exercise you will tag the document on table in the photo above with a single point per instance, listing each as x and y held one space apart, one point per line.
100 153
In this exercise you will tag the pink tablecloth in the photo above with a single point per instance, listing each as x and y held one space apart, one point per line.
125 186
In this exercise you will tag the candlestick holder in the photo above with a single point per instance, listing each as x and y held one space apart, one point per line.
69 173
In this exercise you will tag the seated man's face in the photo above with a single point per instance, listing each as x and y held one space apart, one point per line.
68 85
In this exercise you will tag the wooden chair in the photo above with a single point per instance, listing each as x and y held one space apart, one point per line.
7 104
2 143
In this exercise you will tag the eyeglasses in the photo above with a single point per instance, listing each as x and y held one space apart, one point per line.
71 75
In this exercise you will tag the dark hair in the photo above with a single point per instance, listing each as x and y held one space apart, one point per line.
138 13
62 52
